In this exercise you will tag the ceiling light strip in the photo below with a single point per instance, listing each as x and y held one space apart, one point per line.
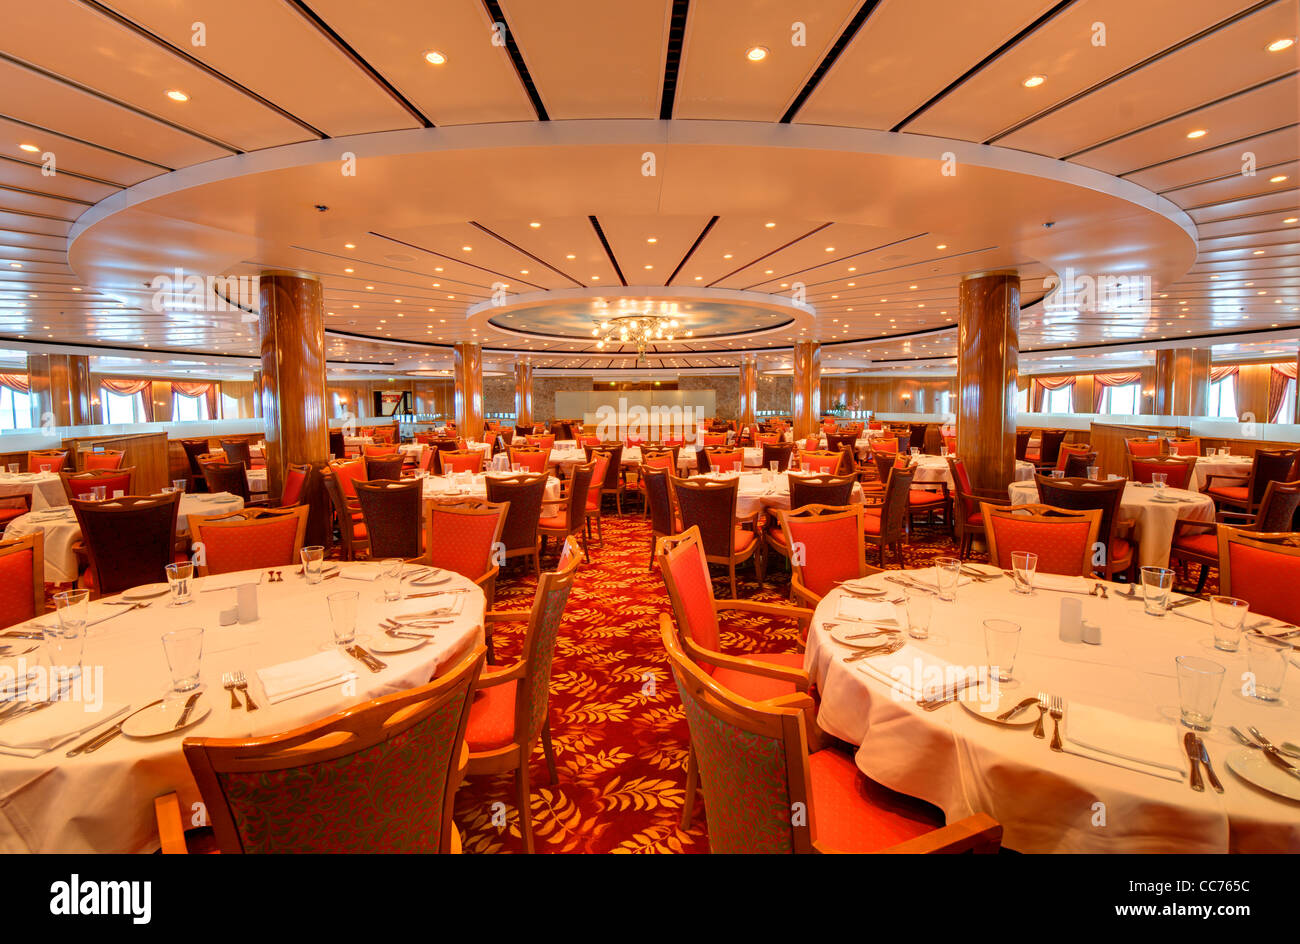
812 232
516 57
690 252
609 251
673 57
520 249
471 265
846 36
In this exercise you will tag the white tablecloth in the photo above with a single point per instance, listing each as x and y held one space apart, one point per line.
1047 801
935 469
103 801
1236 466
1155 521
256 480
46 488
445 487
686 458
754 495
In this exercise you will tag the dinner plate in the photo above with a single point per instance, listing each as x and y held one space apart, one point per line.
146 592
1252 766
861 588
431 581
841 633
981 701
158 720
382 642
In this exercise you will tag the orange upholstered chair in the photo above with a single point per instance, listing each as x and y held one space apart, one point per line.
1143 448
346 472
1184 447
826 463
833 549
710 506
1197 542
296 478
715 439
471 460
545 443
532 460
1062 539
107 459
600 462
250 539
719 459
510 711
378 450
968 522
567 515
22 578
885 444
1177 469
1262 568
82 484
54 458
758 760
129 540
1269 465
462 535
380 776
1113 532
1070 449
347 512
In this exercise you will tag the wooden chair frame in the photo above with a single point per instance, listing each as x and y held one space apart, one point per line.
116 505
1119 524
1159 463
799 590
1277 542
1045 514
963 533
470 506
730 560
243 518
576 513
1250 506
90 476
35 542
347 511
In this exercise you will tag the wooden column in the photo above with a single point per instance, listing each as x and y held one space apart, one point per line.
748 391
988 350
293 387
807 389
61 393
1182 382
467 371
523 392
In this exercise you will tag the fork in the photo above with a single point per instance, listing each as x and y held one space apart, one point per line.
882 649
1057 710
228 683
241 683
1042 709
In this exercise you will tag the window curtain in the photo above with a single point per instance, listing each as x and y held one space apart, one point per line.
210 392
1101 381
1278 380
1219 373
1042 384
129 388
16 382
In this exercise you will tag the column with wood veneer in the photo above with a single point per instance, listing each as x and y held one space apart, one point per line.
807 389
988 350
748 390
292 323
523 392
61 393
1182 382
467 371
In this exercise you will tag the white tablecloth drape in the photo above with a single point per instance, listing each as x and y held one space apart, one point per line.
45 488
1236 466
1048 801
935 469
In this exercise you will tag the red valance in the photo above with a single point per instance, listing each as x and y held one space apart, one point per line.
1286 370
125 388
1053 383
1219 373
20 383
1118 380
187 389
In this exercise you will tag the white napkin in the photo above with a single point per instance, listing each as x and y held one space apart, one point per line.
291 679
47 728
1147 746
444 604
361 572
911 673
1063 582
215 497
873 611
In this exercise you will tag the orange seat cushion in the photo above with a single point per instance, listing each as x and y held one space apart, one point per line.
492 718
743 539
777 535
757 687
9 514
1032 455
919 496
1205 543
1120 550
555 522
871 522
975 521
358 532
852 814
1230 492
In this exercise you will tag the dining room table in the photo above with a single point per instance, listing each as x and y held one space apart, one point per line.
935 469
474 485
1236 468
762 488
1121 781
102 800
1155 515
44 488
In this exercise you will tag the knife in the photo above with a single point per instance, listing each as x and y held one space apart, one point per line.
1273 753
1189 744
1209 770
1011 713
361 656
97 741
189 707
1186 601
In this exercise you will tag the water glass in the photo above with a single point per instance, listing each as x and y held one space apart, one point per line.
1094 472
1158 481
1058 473
178 485
943 451
915 451
46 468
1199 681
343 616
1001 642
390 579
118 493
1267 660
1024 564
1157 584
98 492
1228 614
947 571
774 466
180 580
65 641
184 651
313 559
920 603
13 468
735 467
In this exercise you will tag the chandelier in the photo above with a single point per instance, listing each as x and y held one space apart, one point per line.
637 323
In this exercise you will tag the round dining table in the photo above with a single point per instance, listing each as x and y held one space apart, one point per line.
935 469
102 801
474 485
1155 517
1236 468
757 491
45 488
1121 782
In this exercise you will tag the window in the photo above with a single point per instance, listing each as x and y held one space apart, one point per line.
945 401
15 409
1223 398
1286 412
188 409
1122 401
1022 400
229 407
122 408
1060 400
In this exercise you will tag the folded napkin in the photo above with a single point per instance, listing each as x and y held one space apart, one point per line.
216 497
851 608
291 679
1147 746
361 572
1063 582
912 674
47 728
442 604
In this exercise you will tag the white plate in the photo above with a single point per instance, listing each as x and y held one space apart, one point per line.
841 633
158 720
146 592
382 642
861 588
1252 766
979 701
432 581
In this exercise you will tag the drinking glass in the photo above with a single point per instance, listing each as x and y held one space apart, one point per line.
1094 472
46 468
920 603
118 493
1001 642
1267 660
99 492
915 451
735 467
1058 473
178 485
1199 681
947 571
313 559
184 650
343 616
1158 481
943 451
13 468
775 466
180 580
1228 614
64 642
390 578
1157 583
1024 564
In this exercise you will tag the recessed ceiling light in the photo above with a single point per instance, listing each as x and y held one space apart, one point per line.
941 246
1277 179
176 95
1034 81
756 53
467 248
1291 219
1258 252
1278 45
29 147
769 225
15 265
434 58
1198 133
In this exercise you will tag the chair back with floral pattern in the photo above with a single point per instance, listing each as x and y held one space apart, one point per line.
524 493
383 467
1142 448
22 578
375 777
82 484
657 501
1177 469
753 762
462 535
1082 494
237 450
719 459
1277 509
820 489
826 545
390 510
1062 539
609 475
1262 568
378 450
471 460
827 462
898 487
1269 465
685 570
1070 449
710 506
533 697
777 452
229 477
129 539
250 539
531 459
